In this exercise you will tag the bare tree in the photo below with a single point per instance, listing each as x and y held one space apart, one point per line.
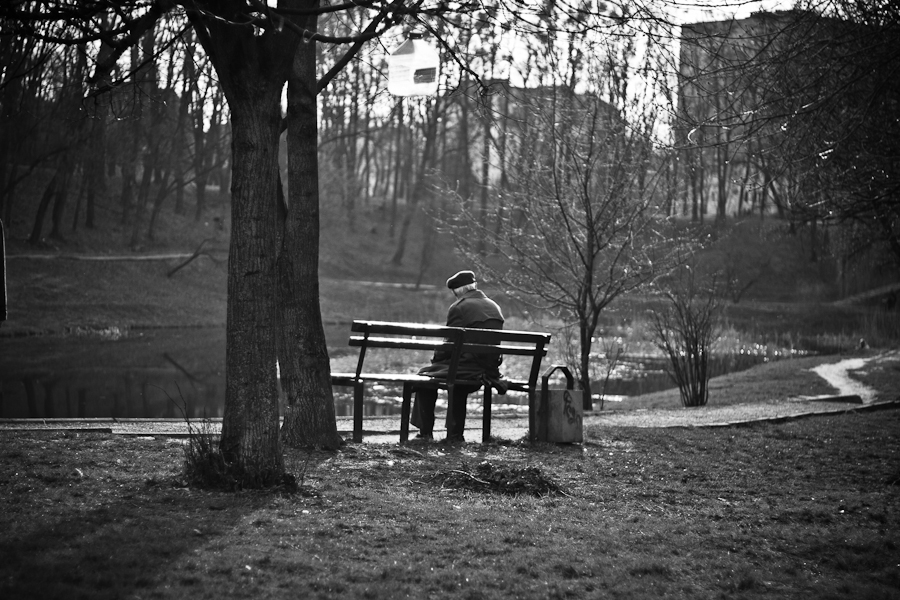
586 226
794 111
65 99
685 328
840 94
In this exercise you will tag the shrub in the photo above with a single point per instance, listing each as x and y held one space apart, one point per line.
684 329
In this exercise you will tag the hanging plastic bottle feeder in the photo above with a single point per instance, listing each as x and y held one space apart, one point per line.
413 68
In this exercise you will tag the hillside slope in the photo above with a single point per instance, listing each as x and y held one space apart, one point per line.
66 293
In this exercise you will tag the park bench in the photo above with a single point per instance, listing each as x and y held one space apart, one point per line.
457 341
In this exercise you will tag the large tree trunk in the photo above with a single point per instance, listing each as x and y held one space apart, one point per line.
250 424
309 418
252 71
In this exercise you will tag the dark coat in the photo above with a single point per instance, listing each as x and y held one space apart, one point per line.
472 309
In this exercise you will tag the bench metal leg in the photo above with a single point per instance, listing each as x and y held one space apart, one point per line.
532 417
486 421
404 412
451 422
358 392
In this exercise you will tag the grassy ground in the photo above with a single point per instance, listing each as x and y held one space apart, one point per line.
806 509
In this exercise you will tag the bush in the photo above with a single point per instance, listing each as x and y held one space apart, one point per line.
685 330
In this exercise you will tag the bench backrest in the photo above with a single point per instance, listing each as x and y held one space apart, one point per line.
455 340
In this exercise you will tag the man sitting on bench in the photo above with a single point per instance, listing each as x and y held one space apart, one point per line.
471 309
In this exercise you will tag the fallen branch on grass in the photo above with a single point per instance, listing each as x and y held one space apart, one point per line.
197 253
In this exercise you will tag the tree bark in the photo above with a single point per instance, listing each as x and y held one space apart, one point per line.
250 423
252 70
309 418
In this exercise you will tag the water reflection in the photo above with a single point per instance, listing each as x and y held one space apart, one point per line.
105 394
168 374
181 373
171 374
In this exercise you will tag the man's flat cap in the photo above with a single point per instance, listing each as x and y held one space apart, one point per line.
460 279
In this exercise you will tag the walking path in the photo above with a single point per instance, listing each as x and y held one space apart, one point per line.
851 396
837 375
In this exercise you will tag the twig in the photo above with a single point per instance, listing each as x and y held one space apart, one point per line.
469 475
196 254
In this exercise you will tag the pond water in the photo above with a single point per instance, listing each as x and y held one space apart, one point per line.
173 373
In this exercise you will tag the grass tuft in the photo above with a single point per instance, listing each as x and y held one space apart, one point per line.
204 464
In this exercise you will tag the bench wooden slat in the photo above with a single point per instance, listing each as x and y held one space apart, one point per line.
388 377
413 329
501 349
350 378
385 327
407 344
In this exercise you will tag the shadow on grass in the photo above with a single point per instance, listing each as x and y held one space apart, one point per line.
107 533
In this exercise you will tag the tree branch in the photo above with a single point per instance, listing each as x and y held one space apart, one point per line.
369 33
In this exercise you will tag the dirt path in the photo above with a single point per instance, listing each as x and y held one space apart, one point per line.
838 375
